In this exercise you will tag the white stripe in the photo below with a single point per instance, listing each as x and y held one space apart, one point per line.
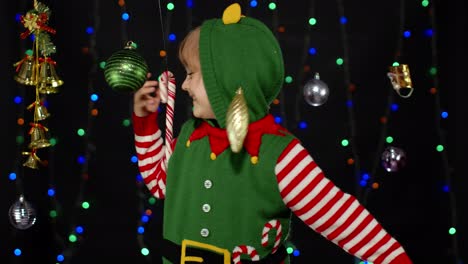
320 204
392 255
343 217
151 184
146 173
159 184
359 237
352 226
382 250
294 172
156 194
168 154
152 159
160 163
371 243
163 164
162 187
148 138
298 188
287 159
156 145
331 212
169 121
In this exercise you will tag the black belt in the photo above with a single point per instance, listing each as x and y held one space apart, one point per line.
172 252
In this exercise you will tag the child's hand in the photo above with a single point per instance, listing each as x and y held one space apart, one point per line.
146 99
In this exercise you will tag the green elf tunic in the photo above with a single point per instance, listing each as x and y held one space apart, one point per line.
226 199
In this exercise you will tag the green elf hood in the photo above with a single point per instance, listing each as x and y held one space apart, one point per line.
238 51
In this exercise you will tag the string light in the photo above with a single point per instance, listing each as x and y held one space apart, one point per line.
76 230
366 180
312 21
170 6
272 6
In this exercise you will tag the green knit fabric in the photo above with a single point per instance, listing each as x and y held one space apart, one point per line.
245 54
243 196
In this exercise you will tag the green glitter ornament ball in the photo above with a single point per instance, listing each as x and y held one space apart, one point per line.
125 70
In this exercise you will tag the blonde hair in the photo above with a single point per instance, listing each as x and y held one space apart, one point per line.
189 50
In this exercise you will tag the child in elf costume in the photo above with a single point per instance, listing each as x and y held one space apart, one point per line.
235 176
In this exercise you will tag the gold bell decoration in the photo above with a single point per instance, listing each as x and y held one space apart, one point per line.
26 71
33 161
48 79
401 80
38 69
38 137
40 111
237 121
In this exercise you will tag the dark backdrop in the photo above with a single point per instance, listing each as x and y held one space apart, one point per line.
410 203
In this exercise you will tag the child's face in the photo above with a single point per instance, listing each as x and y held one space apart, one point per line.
193 83
194 86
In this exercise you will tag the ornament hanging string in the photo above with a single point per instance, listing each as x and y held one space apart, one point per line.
163 33
167 91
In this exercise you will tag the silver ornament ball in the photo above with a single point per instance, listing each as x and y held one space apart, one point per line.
316 91
393 159
22 214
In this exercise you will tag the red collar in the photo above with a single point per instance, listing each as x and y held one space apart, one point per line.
219 141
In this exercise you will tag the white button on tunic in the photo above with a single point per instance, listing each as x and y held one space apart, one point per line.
204 232
208 184
206 208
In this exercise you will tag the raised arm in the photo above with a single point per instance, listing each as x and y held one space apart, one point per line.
149 143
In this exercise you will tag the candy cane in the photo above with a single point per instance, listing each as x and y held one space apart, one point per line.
266 229
243 249
167 91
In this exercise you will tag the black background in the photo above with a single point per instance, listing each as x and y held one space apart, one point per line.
410 203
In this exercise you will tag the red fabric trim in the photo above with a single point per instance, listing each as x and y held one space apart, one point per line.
143 127
219 141
402 259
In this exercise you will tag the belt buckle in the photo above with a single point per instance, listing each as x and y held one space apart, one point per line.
190 243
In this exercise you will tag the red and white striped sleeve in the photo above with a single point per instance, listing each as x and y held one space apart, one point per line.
150 150
334 214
